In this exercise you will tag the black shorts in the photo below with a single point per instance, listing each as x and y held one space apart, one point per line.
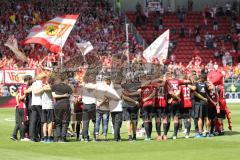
174 109
47 116
222 114
147 113
186 113
130 114
160 112
200 110
212 112
76 117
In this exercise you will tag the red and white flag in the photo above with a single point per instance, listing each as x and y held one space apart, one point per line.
52 34
158 49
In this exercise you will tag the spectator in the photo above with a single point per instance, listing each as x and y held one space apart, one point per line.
205 22
237 27
190 32
228 58
198 40
146 12
190 5
139 8
206 13
197 30
169 9
118 7
228 9
161 11
158 23
182 31
210 65
139 20
215 24
214 11
216 54
235 41
208 43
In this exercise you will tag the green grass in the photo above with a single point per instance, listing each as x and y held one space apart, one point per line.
216 148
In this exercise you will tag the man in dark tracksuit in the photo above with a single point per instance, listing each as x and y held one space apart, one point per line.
61 92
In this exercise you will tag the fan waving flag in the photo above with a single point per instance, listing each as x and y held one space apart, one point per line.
52 34
158 49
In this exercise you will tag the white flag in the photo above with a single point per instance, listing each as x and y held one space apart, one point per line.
85 47
158 49
52 34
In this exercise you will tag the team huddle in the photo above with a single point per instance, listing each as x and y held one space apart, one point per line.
51 107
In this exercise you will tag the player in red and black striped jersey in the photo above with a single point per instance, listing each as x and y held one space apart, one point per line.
172 97
148 102
147 93
172 88
212 107
160 107
186 107
22 109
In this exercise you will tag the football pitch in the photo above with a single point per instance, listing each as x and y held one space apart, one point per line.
217 148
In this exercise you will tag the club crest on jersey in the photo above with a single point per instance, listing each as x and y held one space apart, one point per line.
202 90
146 90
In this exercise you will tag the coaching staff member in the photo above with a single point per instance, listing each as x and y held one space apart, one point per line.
61 92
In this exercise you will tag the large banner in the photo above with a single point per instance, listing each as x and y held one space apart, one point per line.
158 49
16 76
52 34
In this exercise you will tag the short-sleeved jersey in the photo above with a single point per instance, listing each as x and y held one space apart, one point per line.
186 96
21 90
131 87
201 88
145 92
172 85
214 94
160 97
22 103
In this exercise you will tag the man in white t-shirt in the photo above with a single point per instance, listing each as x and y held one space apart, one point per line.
47 117
36 107
89 107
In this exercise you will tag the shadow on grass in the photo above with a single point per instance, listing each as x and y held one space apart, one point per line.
231 133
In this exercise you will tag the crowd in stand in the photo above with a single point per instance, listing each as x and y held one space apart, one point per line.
96 24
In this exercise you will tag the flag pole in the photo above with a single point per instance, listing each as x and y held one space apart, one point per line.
61 56
61 59
127 42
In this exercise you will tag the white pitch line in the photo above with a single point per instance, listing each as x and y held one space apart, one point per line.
10 119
